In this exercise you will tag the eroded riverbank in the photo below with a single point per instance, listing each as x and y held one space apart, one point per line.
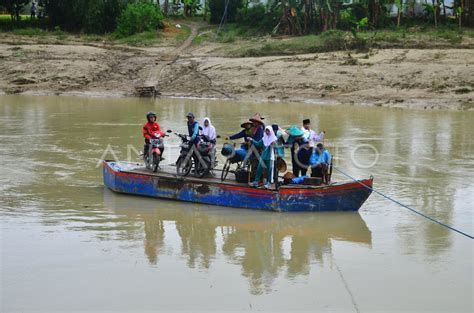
406 78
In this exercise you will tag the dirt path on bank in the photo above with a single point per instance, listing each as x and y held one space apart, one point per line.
154 76
408 78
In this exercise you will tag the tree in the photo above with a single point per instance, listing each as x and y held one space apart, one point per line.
166 7
218 7
436 11
375 11
139 17
329 13
400 7
308 15
93 16
289 23
469 12
14 7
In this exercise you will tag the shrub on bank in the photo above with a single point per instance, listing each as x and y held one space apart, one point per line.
138 18
101 16
257 17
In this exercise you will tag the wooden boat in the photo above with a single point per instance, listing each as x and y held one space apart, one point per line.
132 178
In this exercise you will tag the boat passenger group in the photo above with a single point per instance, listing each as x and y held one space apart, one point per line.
263 149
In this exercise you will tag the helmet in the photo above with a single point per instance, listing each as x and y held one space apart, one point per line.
150 114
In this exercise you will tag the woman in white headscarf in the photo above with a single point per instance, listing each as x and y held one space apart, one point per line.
267 144
208 130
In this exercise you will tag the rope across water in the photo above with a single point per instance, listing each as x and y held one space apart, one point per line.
405 206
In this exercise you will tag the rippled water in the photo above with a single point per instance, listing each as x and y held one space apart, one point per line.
68 244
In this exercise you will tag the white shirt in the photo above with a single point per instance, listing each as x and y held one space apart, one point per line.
311 136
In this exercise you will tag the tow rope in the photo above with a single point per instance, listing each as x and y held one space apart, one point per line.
405 206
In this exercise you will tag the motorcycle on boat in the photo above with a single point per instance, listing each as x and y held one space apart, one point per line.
200 156
155 153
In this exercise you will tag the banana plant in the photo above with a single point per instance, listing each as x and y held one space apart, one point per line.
459 12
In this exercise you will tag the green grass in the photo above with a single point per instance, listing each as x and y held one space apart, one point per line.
411 35
228 36
453 36
328 41
335 40
38 32
94 38
200 38
5 18
6 23
31 32
183 34
141 39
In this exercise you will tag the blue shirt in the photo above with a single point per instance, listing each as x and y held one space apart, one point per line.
193 130
298 180
280 148
318 157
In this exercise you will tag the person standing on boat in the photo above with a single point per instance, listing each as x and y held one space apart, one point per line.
267 144
311 135
151 129
280 146
299 151
252 129
208 130
209 134
193 128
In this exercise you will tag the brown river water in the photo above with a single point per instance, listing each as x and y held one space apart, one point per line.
70 245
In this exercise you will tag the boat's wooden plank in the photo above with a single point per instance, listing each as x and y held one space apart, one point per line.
170 172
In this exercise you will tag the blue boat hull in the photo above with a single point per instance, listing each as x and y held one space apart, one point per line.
337 197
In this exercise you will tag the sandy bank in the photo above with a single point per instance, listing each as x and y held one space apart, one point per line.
408 78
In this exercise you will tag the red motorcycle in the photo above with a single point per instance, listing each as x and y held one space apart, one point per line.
155 150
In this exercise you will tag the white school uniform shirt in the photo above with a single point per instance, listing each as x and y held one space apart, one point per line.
311 136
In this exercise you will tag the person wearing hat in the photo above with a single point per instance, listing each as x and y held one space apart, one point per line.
193 128
151 129
250 130
258 124
253 128
257 119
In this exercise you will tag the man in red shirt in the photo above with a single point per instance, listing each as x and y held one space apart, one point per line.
151 129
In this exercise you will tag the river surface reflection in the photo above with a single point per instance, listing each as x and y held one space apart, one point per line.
262 244
70 245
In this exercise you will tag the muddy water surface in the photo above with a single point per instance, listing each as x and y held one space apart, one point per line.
68 244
